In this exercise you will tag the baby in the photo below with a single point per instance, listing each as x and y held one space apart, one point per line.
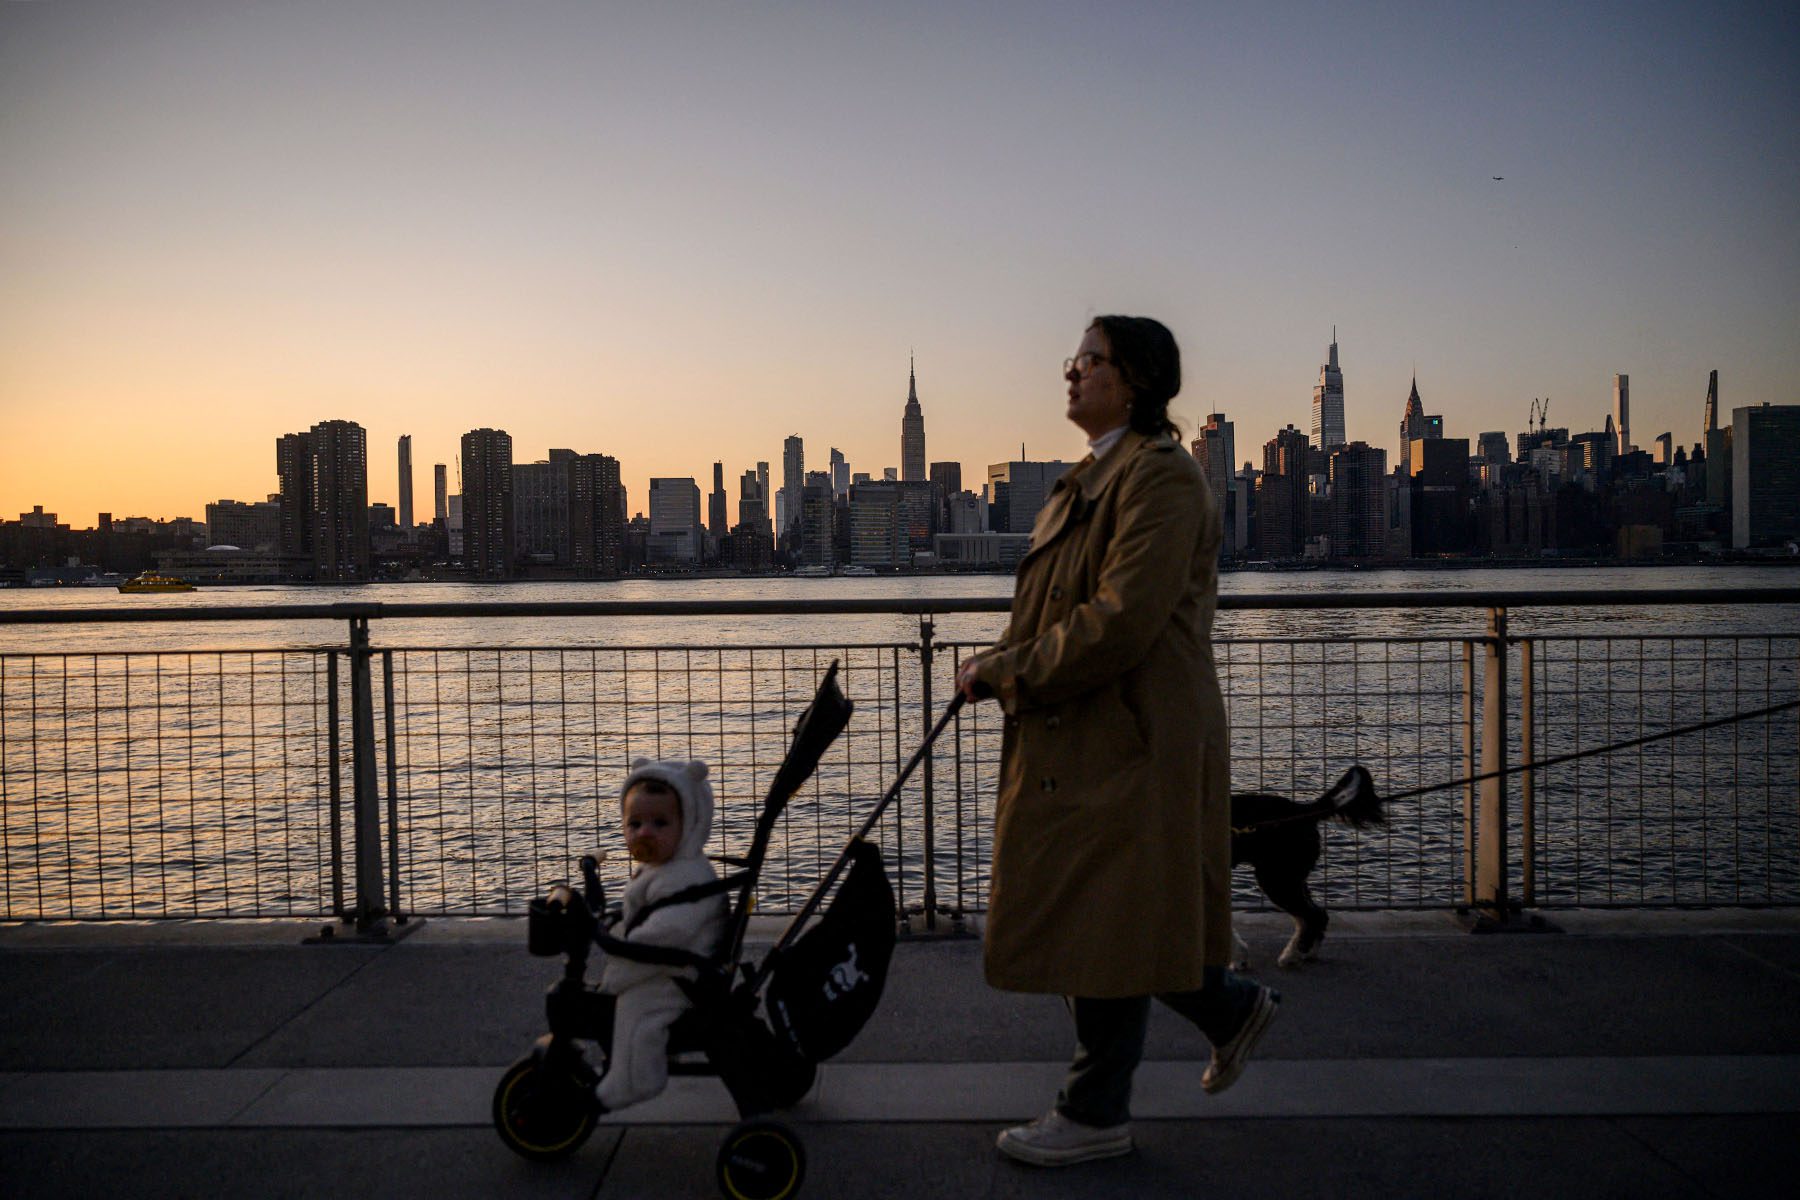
667 810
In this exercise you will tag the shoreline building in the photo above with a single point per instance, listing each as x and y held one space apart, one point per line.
912 433
1215 449
716 525
541 508
440 492
293 473
406 508
487 502
675 530
340 502
1017 490
1622 413
596 515
793 478
1328 403
1765 475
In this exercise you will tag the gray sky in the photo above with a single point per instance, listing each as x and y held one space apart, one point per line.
678 232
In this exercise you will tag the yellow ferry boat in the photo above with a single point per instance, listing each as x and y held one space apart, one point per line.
151 582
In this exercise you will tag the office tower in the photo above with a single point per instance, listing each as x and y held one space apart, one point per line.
818 513
1328 402
293 470
1440 496
1412 427
1018 489
1493 448
912 433
440 491
406 513
1282 496
453 525
1622 412
596 515
715 504
487 483
877 527
254 526
1765 475
840 474
1711 420
1665 449
793 478
763 492
340 490
753 514
541 508
674 520
946 481
1215 449
1358 504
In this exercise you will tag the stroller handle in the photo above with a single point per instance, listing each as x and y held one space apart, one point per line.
799 919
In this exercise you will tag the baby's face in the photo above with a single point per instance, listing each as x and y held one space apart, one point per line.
652 825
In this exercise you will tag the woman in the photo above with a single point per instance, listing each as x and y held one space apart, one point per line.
1112 856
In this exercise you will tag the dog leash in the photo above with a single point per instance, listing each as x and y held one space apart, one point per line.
1556 760
1559 759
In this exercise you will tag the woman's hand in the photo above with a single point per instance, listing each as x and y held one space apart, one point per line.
967 682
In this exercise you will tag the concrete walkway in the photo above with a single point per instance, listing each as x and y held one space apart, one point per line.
1630 1055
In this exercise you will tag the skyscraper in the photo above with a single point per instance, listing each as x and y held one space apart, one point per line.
674 520
1328 402
293 469
1622 412
1216 451
1711 421
1765 475
596 515
406 513
1358 505
487 483
912 433
1413 426
715 504
793 478
440 491
764 494
340 501
540 492
840 474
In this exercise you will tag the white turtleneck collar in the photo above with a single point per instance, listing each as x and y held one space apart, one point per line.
1106 441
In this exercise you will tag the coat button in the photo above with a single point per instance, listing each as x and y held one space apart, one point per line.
1052 721
1048 784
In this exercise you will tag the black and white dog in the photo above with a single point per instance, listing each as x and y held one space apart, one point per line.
1279 838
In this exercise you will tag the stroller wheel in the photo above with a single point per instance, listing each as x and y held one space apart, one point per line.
541 1110
761 1160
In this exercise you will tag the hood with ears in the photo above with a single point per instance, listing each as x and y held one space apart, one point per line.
688 778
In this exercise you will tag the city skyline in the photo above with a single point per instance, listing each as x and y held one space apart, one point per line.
229 223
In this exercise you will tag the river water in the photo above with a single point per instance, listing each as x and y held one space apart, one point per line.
179 768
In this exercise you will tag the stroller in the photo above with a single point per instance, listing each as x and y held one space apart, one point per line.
816 988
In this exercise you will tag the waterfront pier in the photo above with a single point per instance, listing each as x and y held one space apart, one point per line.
182 812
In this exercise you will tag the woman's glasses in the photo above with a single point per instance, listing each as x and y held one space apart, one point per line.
1082 365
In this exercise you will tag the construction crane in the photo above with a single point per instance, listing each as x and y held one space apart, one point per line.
1540 415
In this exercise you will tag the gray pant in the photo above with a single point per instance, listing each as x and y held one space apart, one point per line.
1109 1041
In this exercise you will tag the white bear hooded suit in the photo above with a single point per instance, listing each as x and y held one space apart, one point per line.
648 998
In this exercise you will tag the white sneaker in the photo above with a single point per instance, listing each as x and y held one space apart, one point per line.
1053 1140
1229 1060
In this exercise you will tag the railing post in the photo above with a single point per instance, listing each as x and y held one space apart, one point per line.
926 631
1469 820
333 753
393 786
1490 834
1528 782
369 906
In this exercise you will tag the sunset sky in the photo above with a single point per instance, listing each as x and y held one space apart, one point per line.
677 233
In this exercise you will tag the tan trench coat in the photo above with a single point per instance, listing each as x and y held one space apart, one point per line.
1112 856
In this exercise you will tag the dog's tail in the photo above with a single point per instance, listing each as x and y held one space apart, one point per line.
1353 799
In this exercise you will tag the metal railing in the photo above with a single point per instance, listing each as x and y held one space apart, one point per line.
358 781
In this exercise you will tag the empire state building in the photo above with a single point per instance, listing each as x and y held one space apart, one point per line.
912 433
